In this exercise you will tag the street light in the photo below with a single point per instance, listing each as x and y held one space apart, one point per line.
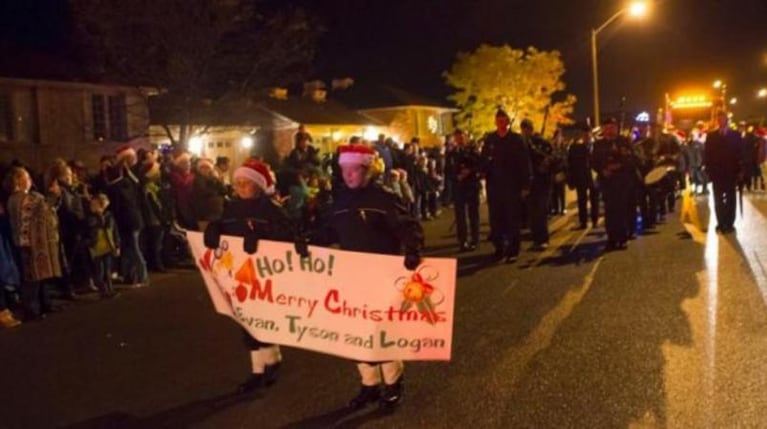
733 101
762 93
636 9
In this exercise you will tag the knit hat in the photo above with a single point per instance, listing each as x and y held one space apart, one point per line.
125 151
257 172
356 154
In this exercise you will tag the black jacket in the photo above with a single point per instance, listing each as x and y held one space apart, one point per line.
579 166
615 156
464 167
723 157
261 216
371 220
127 201
506 163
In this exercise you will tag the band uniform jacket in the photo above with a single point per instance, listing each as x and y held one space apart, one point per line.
614 159
723 156
506 162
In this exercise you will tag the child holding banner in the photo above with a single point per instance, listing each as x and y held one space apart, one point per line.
254 215
367 218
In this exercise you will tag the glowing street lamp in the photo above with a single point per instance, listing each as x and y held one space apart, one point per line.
247 142
733 101
718 84
762 93
637 9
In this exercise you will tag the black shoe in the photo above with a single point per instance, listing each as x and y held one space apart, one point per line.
392 396
254 382
510 259
367 395
270 374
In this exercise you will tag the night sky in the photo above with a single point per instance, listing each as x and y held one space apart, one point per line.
409 43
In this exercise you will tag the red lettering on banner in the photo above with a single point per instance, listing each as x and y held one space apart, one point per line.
332 295
264 295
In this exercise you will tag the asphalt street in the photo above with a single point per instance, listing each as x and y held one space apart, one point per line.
669 333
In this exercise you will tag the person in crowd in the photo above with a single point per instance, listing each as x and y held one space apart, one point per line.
465 166
542 162
129 208
559 175
253 205
157 217
723 161
35 233
506 165
407 192
384 152
222 171
304 156
70 208
612 160
367 218
208 194
580 179
10 280
182 182
103 244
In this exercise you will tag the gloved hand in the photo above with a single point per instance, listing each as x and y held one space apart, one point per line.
250 242
212 235
412 260
302 247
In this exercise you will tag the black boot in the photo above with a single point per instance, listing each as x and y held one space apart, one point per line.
392 395
367 395
254 382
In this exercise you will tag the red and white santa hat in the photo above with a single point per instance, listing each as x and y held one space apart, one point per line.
356 154
125 151
257 172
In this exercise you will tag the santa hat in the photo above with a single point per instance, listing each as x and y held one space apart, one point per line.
356 154
125 151
257 172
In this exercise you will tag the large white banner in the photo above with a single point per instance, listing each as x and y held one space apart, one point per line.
359 306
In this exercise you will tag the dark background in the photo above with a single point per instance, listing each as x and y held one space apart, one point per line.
681 45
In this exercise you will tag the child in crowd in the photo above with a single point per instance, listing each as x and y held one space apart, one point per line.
103 243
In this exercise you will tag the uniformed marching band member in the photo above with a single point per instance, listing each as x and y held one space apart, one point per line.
542 163
466 188
365 217
647 196
580 179
612 160
255 215
506 165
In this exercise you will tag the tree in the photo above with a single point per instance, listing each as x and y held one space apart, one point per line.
195 52
524 83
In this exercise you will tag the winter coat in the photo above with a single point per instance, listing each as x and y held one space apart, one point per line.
35 230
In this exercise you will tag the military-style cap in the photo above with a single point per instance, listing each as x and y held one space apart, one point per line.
526 123
501 114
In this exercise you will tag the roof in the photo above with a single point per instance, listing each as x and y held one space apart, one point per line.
226 112
304 110
384 96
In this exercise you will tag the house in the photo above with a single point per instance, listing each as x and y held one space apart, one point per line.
238 127
404 114
41 120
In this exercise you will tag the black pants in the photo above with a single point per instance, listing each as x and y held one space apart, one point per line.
588 204
558 198
538 210
507 207
648 205
616 198
466 205
725 204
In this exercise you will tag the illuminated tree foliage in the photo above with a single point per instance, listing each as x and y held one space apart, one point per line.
195 52
523 82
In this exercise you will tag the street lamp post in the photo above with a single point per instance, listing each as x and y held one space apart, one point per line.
636 9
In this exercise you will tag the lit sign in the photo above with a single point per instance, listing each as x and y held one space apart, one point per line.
643 117
691 102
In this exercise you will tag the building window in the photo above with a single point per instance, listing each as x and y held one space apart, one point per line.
6 118
98 107
118 118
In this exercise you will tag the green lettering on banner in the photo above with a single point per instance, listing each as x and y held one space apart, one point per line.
306 264
263 267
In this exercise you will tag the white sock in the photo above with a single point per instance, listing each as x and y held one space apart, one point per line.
370 374
257 361
270 355
392 371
